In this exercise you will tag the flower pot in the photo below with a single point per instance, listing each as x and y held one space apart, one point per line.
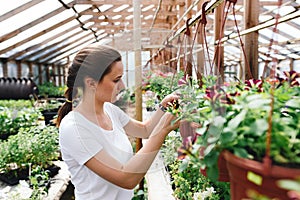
247 175
222 166
12 177
49 116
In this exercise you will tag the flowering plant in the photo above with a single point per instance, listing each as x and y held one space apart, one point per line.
237 117
160 83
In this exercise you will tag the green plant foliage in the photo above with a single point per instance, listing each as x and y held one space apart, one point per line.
39 180
11 120
236 117
161 83
186 178
37 146
188 182
16 104
48 89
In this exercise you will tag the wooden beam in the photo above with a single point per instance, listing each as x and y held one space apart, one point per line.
267 24
69 52
37 34
30 74
31 24
19 9
122 2
40 73
4 67
53 56
46 42
19 69
210 7
124 13
56 50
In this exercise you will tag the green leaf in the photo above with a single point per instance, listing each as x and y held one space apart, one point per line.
259 126
235 122
227 137
241 153
289 184
213 172
294 103
208 150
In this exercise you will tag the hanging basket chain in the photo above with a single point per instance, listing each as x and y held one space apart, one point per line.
267 162
274 31
219 44
242 44
203 23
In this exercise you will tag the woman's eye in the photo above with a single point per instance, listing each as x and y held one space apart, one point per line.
116 80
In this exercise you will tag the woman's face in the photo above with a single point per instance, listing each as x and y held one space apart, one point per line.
111 84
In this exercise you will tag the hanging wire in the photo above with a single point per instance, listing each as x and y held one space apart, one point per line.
274 31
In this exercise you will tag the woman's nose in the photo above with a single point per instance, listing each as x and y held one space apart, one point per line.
121 85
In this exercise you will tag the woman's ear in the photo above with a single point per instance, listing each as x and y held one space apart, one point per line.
90 83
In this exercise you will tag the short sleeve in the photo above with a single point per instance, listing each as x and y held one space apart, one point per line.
122 116
75 141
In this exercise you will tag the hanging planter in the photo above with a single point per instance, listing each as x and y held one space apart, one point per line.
222 169
249 175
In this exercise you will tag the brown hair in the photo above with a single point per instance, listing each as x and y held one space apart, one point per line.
93 61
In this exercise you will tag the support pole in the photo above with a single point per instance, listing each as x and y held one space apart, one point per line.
5 67
19 69
200 54
219 59
251 15
137 59
138 68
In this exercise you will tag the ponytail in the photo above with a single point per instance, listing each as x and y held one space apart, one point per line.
67 106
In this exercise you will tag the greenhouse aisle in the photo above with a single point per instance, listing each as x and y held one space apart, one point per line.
158 181
157 178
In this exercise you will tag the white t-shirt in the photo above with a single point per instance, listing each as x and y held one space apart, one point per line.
80 139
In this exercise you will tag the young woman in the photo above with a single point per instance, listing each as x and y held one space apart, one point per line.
94 135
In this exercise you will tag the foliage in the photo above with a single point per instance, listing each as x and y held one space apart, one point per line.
187 181
11 120
50 105
16 104
39 179
47 89
161 83
236 116
33 146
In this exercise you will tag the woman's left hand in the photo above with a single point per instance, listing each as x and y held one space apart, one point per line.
169 100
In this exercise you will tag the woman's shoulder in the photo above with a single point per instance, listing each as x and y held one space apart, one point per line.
71 119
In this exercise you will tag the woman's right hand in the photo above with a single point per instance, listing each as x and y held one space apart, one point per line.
167 123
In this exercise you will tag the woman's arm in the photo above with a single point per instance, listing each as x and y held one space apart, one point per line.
130 174
144 129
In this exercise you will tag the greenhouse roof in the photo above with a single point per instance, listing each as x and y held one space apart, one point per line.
52 31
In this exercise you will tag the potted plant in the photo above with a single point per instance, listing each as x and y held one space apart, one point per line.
49 110
243 114
13 118
199 106
31 147
48 90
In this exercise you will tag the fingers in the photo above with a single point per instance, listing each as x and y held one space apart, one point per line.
170 121
169 99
